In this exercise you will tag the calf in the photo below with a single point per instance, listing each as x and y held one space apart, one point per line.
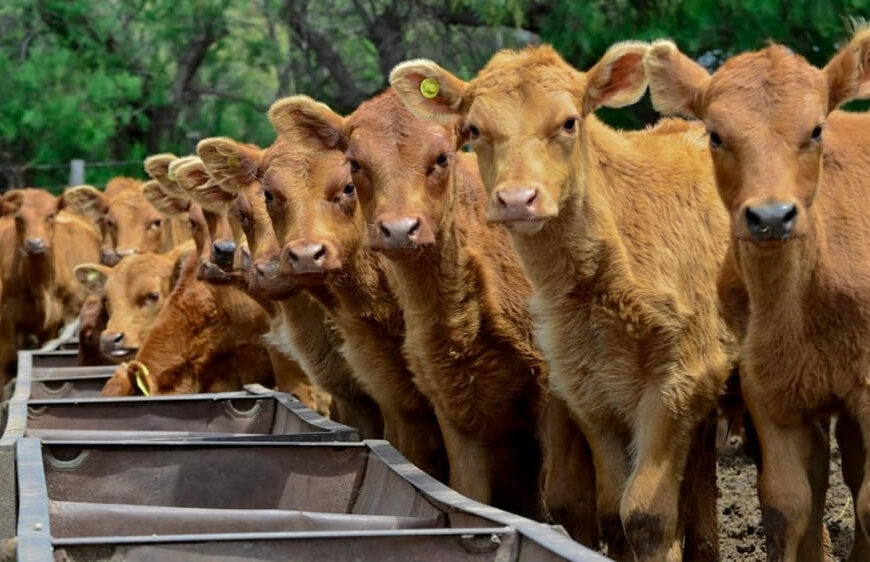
622 238
212 230
205 339
39 246
300 326
791 171
133 293
468 333
134 226
315 213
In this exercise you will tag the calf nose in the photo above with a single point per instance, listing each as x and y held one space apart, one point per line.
520 201
306 257
772 221
35 246
112 338
403 232
109 257
223 252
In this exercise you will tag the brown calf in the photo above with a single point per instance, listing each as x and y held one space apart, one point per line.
39 246
791 172
134 226
133 293
622 239
315 213
300 326
205 339
468 335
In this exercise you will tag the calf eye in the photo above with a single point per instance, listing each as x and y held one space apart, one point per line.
569 124
155 224
473 131
817 134
50 217
442 160
354 166
268 196
715 140
152 297
348 189
192 224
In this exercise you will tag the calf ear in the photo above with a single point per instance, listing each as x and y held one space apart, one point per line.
618 79
676 82
194 178
84 200
168 205
93 276
157 166
232 165
848 73
11 202
307 123
429 91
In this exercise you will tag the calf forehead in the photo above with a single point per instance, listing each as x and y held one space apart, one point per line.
524 74
774 86
299 175
38 201
383 130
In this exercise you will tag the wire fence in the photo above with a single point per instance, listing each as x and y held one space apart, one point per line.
58 176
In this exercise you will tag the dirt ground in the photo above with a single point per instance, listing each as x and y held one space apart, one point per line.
740 533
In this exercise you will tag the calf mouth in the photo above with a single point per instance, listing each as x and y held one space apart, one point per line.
527 225
211 272
120 354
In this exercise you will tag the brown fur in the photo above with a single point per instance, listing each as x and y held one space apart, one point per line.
40 293
622 238
92 322
800 305
300 328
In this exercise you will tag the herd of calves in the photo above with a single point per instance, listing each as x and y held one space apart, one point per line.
548 322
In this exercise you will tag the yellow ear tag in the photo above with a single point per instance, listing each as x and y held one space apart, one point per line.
171 176
92 276
429 88
142 377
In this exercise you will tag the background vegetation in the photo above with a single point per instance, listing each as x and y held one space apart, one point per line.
115 80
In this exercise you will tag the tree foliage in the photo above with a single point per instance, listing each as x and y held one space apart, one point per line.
118 79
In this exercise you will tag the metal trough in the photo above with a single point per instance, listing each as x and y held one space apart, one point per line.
254 500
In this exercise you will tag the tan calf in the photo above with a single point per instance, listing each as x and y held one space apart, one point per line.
468 335
300 326
622 238
133 292
791 172
39 246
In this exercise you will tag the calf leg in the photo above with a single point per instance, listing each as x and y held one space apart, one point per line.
699 494
859 411
609 459
361 413
852 449
791 458
650 504
569 475
469 460
418 438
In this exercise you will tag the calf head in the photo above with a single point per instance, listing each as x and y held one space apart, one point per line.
400 167
525 116
765 115
238 168
34 211
134 226
224 254
133 293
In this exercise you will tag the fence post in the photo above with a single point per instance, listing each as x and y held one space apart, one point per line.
76 172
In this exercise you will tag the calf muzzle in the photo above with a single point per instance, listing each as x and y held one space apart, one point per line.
771 221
